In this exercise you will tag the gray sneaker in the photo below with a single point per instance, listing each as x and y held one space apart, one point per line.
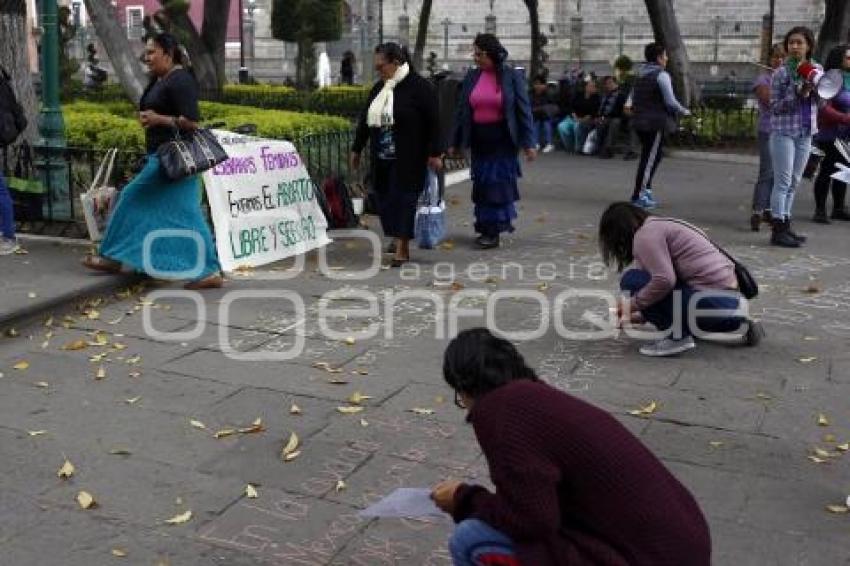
668 347
8 246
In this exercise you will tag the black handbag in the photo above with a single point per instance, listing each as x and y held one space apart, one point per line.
190 153
747 284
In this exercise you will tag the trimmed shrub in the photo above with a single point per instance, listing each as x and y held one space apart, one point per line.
105 125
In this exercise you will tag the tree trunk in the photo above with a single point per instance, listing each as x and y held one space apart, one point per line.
214 34
305 62
836 23
13 58
666 30
422 33
534 19
124 60
179 23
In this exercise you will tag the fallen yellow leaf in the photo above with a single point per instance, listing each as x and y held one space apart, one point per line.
837 509
180 519
42 384
36 432
49 322
843 447
422 411
646 410
133 360
120 452
75 345
821 453
364 423
829 438
66 471
338 381
117 552
118 346
807 359
294 409
290 450
135 374
101 338
86 501
356 398
349 340
349 410
101 373
22 365
817 460
340 485
361 371
251 492
822 420
716 444
225 432
256 426
97 358
133 400
198 424
93 314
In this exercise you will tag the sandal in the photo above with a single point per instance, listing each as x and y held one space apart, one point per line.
214 281
100 263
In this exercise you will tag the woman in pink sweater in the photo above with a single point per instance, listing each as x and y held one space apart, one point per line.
673 270
493 120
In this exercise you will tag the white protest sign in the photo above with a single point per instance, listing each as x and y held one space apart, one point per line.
263 203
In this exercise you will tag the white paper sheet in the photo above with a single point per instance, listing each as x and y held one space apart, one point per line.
406 502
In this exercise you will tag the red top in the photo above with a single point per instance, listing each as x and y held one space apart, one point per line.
574 486
486 99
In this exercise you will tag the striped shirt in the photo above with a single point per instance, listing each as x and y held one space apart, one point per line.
790 114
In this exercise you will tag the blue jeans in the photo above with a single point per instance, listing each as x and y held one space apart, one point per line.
764 184
543 130
789 156
473 540
663 316
573 133
7 213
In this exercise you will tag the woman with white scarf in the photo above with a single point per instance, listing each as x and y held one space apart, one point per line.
401 124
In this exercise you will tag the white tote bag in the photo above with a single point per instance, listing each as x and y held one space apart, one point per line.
98 200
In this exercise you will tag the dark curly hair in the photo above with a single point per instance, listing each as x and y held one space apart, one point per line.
617 229
807 34
835 59
395 53
492 47
477 362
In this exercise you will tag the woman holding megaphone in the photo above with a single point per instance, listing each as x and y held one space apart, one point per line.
833 124
793 123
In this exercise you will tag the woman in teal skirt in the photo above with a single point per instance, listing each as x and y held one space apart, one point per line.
157 226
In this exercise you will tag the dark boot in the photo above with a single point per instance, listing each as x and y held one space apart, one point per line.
820 217
791 232
840 214
767 217
488 242
755 221
780 236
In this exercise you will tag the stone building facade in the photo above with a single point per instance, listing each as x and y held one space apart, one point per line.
720 34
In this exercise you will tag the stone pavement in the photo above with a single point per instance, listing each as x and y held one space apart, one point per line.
137 409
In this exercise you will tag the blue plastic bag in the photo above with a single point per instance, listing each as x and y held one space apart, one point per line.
430 226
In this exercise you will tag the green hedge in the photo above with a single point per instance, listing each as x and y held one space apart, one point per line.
341 101
346 101
114 124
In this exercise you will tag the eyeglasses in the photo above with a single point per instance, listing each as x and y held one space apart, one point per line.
459 401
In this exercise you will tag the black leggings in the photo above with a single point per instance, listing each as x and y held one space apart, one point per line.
650 156
823 181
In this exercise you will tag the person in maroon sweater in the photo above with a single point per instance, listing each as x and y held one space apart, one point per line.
573 485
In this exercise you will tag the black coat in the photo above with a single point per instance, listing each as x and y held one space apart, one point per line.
416 130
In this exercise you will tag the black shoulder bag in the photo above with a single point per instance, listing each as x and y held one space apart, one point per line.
747 284
190 153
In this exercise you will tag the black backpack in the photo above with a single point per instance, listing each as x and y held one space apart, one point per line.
12 119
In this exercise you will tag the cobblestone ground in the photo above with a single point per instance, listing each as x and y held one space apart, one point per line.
157 424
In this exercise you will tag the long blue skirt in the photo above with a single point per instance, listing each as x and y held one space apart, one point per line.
151 203
495 171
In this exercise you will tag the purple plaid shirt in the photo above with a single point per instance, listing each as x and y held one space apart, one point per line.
791 115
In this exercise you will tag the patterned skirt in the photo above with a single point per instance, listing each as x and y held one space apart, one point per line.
495 170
